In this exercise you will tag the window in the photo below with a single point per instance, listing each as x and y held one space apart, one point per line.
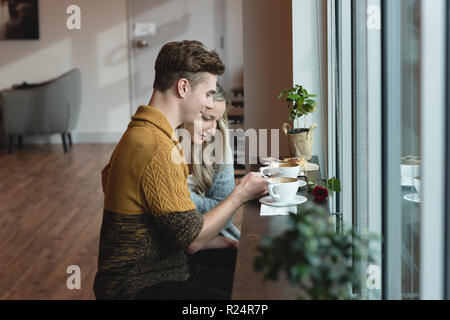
413 148
366 123
387 93
447 174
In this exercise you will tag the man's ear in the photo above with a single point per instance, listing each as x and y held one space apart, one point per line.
182 87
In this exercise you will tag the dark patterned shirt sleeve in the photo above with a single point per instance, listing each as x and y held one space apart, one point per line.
180 228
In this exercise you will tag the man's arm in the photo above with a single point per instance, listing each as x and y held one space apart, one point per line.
168 198
252 186
221 242
164 186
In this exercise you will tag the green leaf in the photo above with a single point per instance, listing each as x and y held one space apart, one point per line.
299 99
293 97
334 185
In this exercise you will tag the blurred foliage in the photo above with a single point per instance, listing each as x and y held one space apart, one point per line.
316 258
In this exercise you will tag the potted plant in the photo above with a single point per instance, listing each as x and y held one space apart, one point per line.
300 104
316 259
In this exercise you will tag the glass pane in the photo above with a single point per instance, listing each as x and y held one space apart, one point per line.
448 160
410 166
367 214
374 75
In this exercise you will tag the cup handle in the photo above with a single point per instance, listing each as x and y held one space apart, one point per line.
272 192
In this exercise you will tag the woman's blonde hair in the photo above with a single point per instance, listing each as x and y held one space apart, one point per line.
202 171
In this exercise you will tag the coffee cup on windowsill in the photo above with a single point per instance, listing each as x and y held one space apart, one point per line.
409 168
417 182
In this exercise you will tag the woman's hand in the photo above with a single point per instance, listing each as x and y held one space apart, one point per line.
252 186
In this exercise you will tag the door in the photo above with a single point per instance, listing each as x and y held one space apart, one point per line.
153 23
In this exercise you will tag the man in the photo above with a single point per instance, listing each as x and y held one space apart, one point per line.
149 221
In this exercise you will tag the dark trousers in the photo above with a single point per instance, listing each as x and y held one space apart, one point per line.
210 278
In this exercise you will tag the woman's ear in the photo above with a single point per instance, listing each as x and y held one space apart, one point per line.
182 87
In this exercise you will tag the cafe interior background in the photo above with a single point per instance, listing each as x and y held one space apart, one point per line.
379 68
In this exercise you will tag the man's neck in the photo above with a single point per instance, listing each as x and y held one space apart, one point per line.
166 104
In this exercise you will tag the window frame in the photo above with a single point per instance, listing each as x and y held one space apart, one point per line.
350 150
433 96
447 174
391 131
435 264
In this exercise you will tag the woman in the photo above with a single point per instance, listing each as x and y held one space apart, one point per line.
211 179
210 182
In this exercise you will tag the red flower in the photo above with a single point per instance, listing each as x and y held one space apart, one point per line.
320 193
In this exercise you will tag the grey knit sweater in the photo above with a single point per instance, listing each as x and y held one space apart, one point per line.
222 185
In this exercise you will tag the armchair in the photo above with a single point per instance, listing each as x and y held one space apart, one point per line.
48 108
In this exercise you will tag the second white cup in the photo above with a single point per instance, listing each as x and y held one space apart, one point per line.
288 170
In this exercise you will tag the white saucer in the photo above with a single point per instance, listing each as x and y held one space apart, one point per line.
301 174
301 183
270 202
414 197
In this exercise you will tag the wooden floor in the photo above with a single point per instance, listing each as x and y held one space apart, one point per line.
50 215
51 207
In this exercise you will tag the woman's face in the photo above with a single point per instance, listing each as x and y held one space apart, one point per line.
205 125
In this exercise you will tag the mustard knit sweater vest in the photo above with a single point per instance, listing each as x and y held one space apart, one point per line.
148 216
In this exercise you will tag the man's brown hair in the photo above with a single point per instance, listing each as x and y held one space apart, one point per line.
185 59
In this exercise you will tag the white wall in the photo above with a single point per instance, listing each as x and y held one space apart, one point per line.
268 66
234 46
306 39
174 20
204 20
99 49
281 41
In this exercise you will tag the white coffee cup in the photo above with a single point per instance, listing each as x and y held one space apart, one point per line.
283 189
288 170
409 169
269 171
417 181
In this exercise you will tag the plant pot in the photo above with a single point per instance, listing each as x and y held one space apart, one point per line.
298 130
300 141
